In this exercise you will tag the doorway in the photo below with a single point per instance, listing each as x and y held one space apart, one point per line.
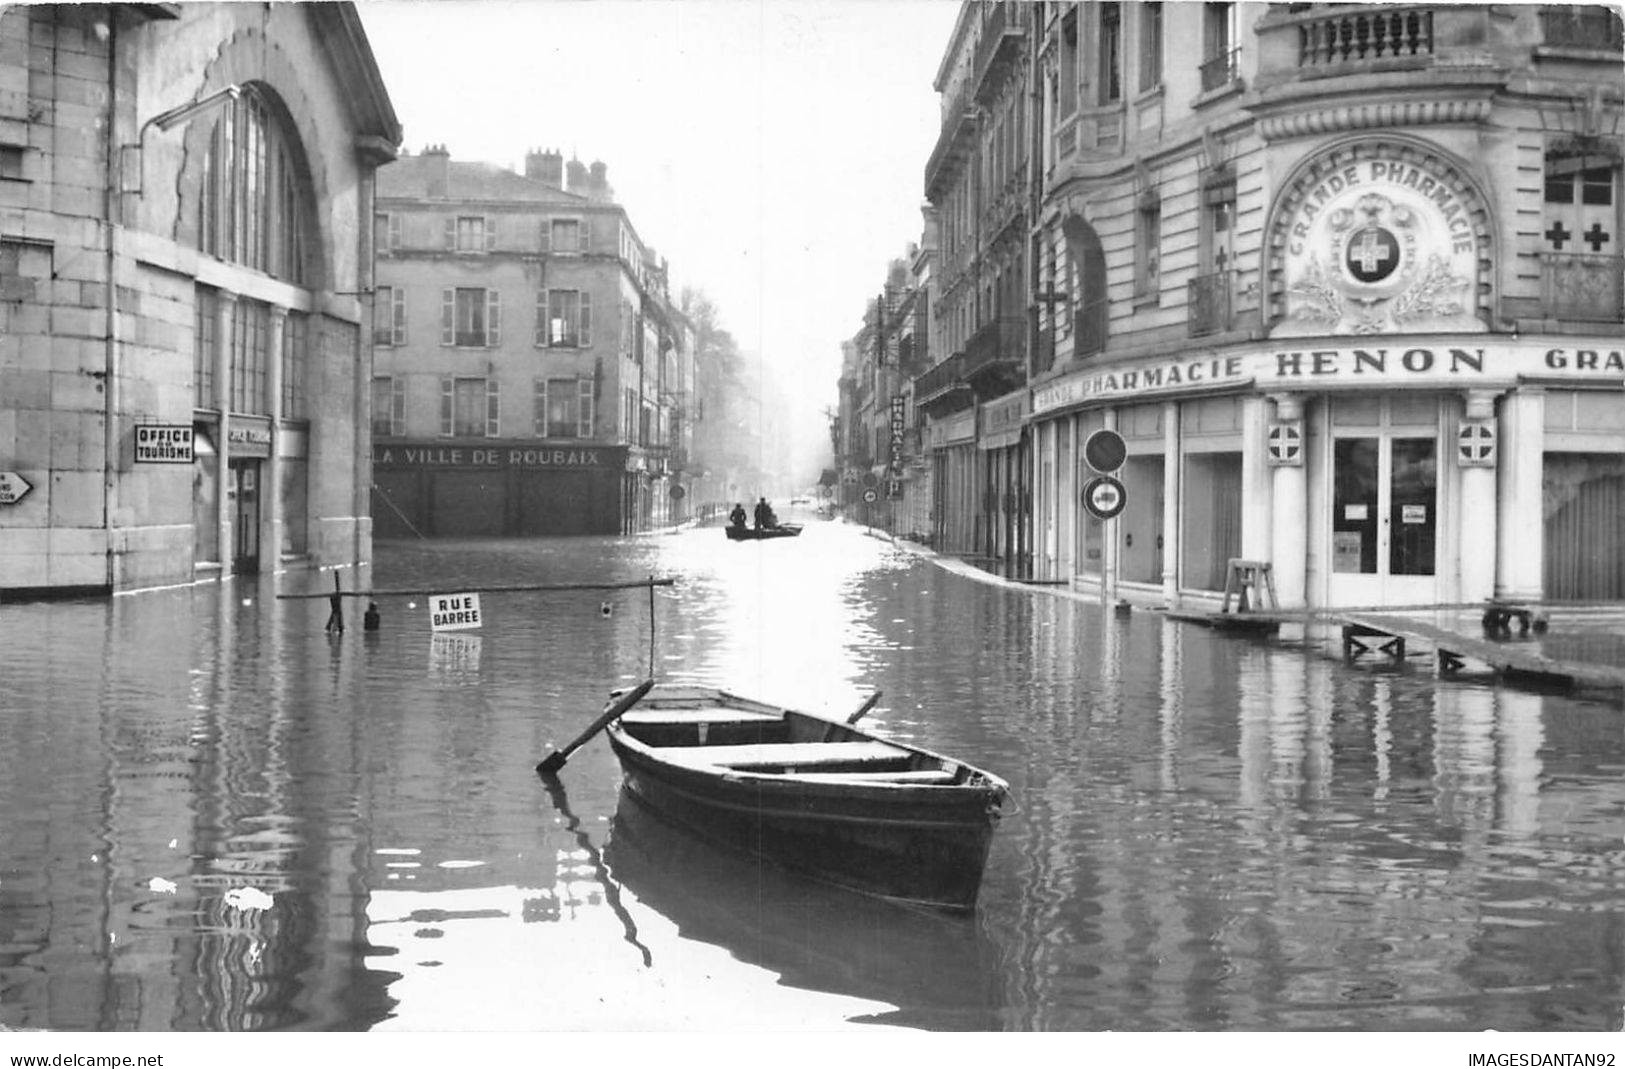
243 486
1385 517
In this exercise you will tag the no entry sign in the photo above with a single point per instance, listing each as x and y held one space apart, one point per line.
1104 497
1105 451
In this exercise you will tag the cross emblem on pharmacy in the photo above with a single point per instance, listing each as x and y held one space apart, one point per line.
1286 443
1596 237
1372 254
1475 444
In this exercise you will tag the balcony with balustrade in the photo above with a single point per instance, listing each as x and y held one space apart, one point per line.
1208 304
943 389
954 145
995 360
997 50
1582 287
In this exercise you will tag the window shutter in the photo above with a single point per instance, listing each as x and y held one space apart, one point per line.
493 319
397 405
397 299
448 391
586 235
539 410
394 232
584 408
584 337
493 422
448 317
544 235
451 233
490 226
541 318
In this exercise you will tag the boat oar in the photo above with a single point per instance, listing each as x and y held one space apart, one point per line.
864 708
554 761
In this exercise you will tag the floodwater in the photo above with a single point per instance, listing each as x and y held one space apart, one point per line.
214 815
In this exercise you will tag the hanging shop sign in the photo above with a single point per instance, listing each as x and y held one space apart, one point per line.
163 443
899 422
1286 443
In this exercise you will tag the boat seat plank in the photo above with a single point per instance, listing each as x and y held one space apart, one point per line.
912 776
798 754
713 714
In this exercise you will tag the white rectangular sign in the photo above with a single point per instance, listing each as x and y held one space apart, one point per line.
163 443
454 612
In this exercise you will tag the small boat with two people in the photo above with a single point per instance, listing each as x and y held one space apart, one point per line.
765 524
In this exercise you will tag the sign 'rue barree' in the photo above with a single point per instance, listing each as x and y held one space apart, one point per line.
454 612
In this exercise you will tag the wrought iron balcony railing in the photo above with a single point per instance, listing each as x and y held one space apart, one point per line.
1002 340
1220 70
1585 287
940 379
1583 26
1358 37
1000 43
1208 300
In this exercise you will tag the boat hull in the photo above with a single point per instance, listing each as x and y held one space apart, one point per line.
746 534
923 845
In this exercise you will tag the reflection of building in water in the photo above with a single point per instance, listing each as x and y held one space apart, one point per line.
1243 826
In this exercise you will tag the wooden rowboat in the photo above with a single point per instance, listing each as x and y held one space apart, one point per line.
745 534
816 796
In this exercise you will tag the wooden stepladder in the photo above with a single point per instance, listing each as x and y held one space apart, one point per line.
1248 577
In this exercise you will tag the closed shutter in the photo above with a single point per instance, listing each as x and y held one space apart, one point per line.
490 225
394 232
451 233
493 319
585 323
493 421
584 408
397 314
541 318
544 235
448 390
586 235
448 317
397 405
539 409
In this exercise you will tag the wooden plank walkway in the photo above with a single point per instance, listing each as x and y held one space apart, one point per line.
1452 647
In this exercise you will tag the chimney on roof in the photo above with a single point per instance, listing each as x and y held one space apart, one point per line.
546 166
599 185
576 176
437 165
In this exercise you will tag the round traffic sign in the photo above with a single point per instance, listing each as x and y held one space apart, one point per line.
1104 497
1105 451
869 497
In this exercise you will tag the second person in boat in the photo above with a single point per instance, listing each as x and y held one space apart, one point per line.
736 518
764 515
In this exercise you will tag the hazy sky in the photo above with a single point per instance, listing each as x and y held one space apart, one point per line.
771 150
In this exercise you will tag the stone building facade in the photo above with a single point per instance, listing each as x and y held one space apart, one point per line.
1345 279
185 199
533 376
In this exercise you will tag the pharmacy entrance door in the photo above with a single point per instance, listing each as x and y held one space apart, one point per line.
1385 517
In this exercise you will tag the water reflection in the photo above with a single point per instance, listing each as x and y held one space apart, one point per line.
213 815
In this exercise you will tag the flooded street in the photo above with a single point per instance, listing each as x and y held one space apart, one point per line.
217 816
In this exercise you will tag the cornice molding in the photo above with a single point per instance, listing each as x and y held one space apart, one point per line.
1347 118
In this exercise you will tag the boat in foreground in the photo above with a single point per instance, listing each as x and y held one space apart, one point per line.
778 530
816 796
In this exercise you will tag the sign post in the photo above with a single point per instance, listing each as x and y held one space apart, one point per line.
1105 497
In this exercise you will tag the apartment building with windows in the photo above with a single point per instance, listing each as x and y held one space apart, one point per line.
979 184
185 204
532 376
1346 279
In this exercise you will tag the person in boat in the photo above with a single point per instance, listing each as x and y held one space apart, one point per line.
736 518
764 515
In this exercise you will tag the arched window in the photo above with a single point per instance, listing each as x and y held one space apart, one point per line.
252 208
